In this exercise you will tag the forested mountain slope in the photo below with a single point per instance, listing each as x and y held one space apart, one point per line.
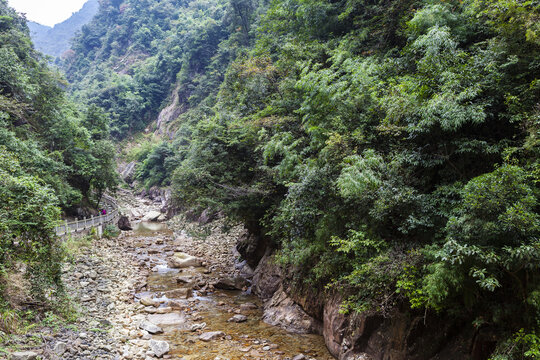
387 149
54 41
53 157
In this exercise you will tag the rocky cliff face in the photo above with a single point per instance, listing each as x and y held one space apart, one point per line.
404 335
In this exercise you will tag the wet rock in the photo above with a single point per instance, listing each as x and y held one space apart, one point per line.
236 283
24 355
159 348
182 260
150 327
196 327
212 335
152 216
148 301
238 318
124 224
248 306
184 279
182 293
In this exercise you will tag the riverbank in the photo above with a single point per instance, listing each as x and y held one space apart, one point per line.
134 302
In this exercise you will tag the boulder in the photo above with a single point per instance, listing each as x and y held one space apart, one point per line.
182 260
235 283
182 293
212 335
150 327
152 216
149 301
158 347
124 224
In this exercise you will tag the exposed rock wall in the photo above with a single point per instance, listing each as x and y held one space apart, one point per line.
405 335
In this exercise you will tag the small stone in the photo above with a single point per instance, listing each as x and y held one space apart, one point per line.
300 357
248 306
238 318
196 327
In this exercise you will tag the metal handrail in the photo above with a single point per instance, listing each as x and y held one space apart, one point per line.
88 223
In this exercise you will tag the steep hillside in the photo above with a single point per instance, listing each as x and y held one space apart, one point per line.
56 40
53 157
135 53
386 152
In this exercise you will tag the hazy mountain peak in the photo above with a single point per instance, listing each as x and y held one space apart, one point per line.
56 40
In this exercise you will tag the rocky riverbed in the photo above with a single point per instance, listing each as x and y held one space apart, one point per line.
171 291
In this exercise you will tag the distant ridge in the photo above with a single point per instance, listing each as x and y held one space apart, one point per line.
54 41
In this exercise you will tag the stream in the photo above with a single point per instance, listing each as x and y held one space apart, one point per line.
185 306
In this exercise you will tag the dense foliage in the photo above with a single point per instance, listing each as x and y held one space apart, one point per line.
134 53
53 156
390 145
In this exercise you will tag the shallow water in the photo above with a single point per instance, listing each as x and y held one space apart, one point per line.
150 228
252 339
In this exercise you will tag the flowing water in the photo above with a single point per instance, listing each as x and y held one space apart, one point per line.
211 309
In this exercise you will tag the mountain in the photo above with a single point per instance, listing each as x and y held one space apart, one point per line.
386 152
54 41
